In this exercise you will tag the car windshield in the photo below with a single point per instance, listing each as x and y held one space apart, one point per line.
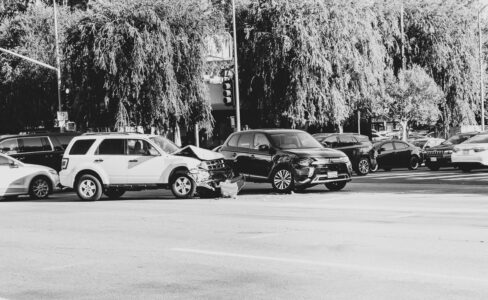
456 139
165 144
294 140
478 139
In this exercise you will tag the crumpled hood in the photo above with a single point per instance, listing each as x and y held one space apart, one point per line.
200 153
317 152
441 148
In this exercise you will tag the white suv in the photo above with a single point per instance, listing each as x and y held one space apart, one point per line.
471 154
110 164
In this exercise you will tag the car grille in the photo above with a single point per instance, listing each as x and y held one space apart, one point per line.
322 169
216 165
436 153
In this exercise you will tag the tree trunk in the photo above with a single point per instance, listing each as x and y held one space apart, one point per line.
340 128
404 125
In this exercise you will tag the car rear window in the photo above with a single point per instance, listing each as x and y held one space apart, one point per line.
81 147
112 147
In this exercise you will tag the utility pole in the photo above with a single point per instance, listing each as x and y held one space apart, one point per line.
236 72
402 25
58 60
482 88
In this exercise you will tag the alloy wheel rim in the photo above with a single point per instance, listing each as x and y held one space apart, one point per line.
363 166
88 188
282 179
182 185
41 188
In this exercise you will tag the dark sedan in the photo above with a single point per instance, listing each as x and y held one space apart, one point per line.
288 159
397 154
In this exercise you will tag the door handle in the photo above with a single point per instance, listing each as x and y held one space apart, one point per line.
98 160
234 154
133 160
252 156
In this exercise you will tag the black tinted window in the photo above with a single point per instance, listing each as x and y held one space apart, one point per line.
112 147
260 139
233 141
64 140
81 147
33 144
245 141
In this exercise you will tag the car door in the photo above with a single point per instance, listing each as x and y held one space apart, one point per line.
145 164
242 158
229 151
35 150
347 144
112 159
260 157
402 154
386 154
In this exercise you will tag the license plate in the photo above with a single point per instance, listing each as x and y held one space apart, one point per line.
332 174
433 159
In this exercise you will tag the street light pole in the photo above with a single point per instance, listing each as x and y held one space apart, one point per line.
236 73
58 61
482 88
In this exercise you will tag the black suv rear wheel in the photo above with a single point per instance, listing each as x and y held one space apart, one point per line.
336 186
363 166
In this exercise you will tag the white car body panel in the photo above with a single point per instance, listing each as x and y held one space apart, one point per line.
467 154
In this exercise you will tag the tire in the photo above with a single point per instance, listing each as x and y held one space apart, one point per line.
282 180
89 188
363 167
114 194
433 167
413 163
374 169
182 186
40 188
336 186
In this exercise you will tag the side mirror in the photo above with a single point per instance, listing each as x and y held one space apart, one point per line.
153 152
13 165
263 148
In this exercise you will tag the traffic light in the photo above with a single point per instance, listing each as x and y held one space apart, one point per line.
228 88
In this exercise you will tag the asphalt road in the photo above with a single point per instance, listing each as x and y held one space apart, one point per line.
378 239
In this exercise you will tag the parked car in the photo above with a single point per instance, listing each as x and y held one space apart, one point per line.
115 163
396 154
17 178
357 147
44 149
425 144
440 156
288 159
471 154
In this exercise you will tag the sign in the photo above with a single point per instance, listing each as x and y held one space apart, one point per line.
62 116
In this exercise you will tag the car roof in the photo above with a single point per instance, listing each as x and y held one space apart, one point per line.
270 130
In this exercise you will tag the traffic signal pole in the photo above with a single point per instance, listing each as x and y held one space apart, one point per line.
236 73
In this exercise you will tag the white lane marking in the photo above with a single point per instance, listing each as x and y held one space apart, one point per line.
410 174
362 268
469 176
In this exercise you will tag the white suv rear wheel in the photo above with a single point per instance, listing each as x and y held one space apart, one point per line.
89 188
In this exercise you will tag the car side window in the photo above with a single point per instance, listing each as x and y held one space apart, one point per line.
400 146
33 144
347 140
259 140
245 141
81 147
233 140
387 146
112 147
330 141
4 161
10 146
141 147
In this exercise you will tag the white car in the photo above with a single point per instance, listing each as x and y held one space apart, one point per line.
110 164
17 178
471 154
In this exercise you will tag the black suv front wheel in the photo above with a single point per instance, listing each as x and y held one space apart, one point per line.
282 180
336 186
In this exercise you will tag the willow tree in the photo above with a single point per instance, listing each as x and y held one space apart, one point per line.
310 62
147 55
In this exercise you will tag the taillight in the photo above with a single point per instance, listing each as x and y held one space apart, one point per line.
64 163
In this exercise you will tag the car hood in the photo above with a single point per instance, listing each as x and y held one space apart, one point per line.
441 148
317 152
198 153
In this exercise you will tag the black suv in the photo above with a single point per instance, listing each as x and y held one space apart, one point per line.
440 156
288 159
357 147
45 149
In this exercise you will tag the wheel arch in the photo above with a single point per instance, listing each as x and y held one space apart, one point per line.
49 181
176 171
88 172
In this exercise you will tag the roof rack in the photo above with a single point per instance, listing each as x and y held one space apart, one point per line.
111 133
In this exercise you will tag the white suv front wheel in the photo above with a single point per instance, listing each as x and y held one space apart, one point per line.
89 188
182 186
